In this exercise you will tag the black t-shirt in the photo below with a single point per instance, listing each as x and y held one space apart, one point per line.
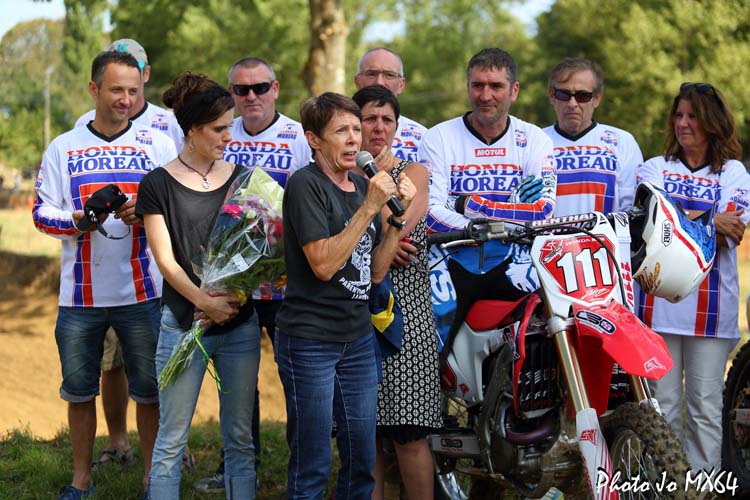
337 310
190 216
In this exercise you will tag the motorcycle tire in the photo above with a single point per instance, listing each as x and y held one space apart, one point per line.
735 447
638 436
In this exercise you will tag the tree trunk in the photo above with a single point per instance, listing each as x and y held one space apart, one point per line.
324 70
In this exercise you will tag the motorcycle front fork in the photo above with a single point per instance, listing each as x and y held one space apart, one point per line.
589 435
560 329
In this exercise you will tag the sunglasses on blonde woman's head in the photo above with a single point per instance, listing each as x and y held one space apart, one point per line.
257 88
581 97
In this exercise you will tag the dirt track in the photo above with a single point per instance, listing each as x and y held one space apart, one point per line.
30 377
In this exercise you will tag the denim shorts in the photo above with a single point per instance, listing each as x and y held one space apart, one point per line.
80 342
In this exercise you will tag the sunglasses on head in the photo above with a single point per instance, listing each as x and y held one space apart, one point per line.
257 88
703 88
582 96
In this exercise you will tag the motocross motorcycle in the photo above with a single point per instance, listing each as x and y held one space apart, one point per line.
735 420
548 389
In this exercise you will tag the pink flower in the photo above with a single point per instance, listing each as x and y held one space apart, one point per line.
234 210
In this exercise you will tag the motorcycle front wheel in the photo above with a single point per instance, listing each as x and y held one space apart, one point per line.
735 449
641 444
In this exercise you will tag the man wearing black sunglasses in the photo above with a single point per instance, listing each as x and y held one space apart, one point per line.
596 163
263 137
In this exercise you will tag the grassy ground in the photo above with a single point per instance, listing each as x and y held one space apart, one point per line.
36 469
18 234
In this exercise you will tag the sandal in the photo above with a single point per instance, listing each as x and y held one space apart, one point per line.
114 456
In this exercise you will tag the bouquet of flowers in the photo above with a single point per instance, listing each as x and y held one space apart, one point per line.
244 249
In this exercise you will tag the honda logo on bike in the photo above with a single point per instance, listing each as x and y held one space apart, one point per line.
589 435
666 233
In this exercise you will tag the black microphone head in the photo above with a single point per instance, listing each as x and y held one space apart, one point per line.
366 162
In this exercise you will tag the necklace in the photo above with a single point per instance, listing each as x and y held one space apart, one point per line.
206 183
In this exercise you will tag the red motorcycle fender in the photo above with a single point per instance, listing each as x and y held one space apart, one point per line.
613 333
533 301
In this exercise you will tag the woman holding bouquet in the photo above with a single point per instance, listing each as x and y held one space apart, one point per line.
179 203
409 394
335 247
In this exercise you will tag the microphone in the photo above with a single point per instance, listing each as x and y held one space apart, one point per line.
366 162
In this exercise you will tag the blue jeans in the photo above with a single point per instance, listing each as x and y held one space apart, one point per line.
79 333
236 355
323 380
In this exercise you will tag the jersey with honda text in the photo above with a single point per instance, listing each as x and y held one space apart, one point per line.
96 271
462 163
407 139
281 149
712 309
152 116
595 169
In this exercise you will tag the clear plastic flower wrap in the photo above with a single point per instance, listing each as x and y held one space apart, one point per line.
244 249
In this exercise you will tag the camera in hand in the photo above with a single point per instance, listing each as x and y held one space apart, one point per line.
105 200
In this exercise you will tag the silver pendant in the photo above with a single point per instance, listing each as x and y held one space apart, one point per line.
206 184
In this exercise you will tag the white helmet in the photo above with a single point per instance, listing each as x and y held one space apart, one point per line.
671 254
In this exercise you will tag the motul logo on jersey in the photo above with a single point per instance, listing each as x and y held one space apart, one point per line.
589 435
483 152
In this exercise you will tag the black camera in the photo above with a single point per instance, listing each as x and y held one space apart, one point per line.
105 200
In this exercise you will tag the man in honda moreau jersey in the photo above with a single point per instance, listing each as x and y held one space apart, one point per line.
596 163
107 277
263 137
114 386
489 164
381 66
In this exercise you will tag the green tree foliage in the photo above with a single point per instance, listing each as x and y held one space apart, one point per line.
26 51
440 38
207 37
83 39
646 50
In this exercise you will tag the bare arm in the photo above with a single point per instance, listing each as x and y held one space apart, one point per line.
729 225
218 308
327 255
417 174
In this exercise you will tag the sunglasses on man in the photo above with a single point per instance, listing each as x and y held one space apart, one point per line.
257 88
581 97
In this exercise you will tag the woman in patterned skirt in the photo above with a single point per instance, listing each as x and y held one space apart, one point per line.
409 394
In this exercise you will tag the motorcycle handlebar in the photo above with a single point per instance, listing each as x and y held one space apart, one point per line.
481 230
441 238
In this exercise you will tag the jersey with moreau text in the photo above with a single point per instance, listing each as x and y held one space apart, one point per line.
712 309
97 271
461 163
595 169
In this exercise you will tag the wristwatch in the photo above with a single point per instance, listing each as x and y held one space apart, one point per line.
397 224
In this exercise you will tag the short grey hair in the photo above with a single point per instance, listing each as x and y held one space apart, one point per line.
250 62
570 65
400 62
